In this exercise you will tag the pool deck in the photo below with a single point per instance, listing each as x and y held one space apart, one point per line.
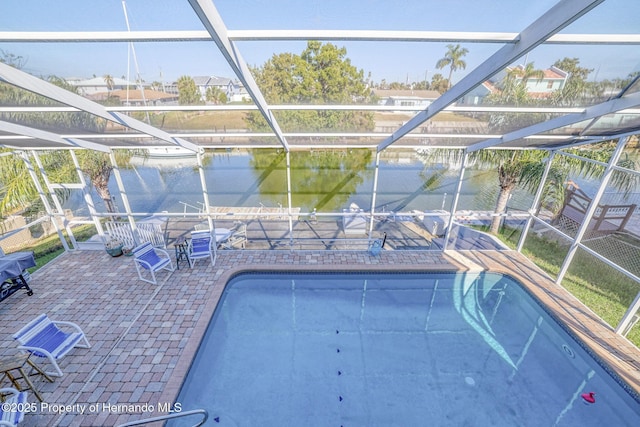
144 336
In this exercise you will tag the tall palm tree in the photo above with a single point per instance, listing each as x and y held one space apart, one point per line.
17 190
438 83
524 169
453 59
528 72
108 80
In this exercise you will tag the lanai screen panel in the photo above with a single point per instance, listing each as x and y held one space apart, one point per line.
399 45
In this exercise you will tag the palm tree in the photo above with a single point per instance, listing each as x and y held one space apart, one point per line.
453 59
524 169
97 166
17 190
216 95
108 80
188 93
438 83
528 72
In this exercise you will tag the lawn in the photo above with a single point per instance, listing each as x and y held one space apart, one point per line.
604 290
50 247
200 120
234 120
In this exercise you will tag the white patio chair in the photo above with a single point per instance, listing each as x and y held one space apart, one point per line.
16 409
147 257
237 238
201 246
43 337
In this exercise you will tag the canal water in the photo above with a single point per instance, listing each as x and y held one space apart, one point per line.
327 181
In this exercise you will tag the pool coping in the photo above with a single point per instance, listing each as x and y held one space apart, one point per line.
615 353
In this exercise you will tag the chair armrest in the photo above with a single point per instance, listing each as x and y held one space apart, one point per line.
70 324
163 252
37 349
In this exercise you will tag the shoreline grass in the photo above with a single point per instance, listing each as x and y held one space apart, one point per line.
607 292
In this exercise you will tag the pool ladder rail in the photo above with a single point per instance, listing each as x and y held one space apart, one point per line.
203 412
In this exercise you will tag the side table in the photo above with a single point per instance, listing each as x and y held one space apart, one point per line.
181 247
13 368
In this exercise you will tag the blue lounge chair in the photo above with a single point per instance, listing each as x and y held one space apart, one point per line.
42 337
147 257
201 246
16 409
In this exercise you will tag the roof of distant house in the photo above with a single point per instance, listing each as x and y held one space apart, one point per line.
549 73
99 81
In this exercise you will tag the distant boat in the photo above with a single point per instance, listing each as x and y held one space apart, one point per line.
160 157
164 152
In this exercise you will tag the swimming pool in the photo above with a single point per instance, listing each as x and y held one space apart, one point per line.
364 349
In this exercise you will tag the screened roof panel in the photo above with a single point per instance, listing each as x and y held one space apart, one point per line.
12 96
610 17
396 47
19 142
432 15
79 15
614 123
86 64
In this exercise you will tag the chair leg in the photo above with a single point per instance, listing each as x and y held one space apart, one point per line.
86 342
57 371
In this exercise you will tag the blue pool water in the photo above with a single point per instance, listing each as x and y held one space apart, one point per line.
366 349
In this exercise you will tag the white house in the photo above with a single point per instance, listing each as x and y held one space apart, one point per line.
477 95
553 80
234 90
420 99
238 93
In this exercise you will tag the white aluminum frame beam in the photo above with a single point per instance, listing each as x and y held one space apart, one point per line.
593 140
303 35
591 210
212 21
536 201
43 197
33 84
313 107
555 19
49 136
595 111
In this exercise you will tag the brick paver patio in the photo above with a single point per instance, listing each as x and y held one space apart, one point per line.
144 336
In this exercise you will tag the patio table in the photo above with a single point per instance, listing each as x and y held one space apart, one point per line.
13 369
12 268
222 234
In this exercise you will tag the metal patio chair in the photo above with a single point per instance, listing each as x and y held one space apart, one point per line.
147 257
201 246
43 337
16 408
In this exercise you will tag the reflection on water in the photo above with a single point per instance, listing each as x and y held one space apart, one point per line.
325 180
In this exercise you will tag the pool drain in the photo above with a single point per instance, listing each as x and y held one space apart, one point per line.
470 381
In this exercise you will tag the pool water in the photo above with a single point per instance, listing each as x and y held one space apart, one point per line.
394 350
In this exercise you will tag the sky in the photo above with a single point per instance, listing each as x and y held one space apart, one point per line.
391 61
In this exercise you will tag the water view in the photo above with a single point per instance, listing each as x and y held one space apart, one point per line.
327 181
